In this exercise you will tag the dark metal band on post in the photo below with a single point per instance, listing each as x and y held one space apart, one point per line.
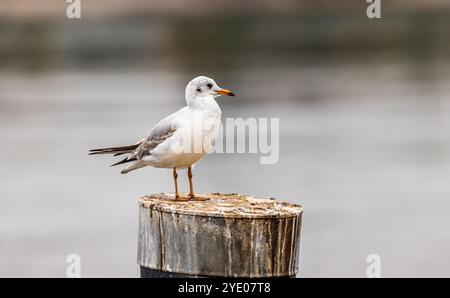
227 236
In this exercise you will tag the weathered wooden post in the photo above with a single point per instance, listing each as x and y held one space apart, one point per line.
228 235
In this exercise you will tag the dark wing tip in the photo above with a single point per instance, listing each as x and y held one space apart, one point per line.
125 160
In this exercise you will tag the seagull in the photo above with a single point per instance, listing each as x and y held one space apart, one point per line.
181 139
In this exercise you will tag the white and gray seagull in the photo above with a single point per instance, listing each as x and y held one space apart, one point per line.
181 139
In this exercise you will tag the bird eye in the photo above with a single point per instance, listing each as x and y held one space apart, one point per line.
209 85
198 89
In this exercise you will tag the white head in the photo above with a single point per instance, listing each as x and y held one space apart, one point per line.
202 87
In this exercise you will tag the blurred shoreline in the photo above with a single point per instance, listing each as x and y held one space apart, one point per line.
225 43
55 9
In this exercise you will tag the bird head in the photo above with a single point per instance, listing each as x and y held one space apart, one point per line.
203 86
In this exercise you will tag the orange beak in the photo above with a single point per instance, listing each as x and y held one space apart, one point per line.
225 92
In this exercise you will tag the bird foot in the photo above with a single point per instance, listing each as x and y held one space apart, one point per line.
180 199
194 198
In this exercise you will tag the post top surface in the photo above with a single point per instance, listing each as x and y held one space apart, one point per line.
222 205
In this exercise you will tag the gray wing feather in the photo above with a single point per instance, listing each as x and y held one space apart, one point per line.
158 135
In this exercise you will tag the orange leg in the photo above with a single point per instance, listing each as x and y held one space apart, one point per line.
191 186
175 177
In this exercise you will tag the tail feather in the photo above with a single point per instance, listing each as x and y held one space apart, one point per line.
114 150
134 166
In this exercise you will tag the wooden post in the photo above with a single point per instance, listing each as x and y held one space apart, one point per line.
229 235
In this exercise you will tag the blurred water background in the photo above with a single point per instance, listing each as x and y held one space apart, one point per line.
364 108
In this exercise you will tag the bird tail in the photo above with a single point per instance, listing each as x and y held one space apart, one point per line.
119 151
114 150
134 166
